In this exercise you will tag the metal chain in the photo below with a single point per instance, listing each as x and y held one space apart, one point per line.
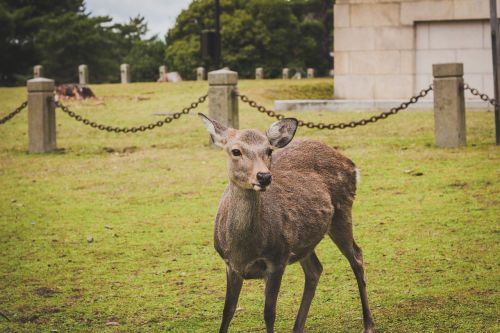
351 124
142 128
13 113
476 92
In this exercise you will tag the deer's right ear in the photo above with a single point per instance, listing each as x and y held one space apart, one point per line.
217 131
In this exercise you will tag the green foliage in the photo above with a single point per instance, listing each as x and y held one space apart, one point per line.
60 35
78 40
145 56
258 33
181 56
430 242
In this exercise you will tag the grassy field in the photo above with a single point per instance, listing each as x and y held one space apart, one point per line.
115 233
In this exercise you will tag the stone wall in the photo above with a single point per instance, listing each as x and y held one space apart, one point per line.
379 46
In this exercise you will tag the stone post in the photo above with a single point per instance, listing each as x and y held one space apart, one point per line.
200 74
449 105
310 73
37 71
286 74
83 74
331 73
125 73
259 73
162 70
41 116
222 100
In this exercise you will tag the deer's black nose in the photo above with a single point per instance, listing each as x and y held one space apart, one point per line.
264 178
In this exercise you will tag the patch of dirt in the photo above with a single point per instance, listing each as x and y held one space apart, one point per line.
45 292
458 184
124 150
51 309
29 319
36 317
135 98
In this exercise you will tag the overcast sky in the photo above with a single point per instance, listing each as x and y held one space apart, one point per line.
160 14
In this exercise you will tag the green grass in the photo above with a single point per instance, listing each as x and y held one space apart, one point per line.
148 200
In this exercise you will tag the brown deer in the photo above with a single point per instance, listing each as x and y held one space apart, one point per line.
261 228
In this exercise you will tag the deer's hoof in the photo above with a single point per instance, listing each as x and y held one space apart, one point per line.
369 330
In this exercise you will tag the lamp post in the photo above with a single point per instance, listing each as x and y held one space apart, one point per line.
495 48
217 59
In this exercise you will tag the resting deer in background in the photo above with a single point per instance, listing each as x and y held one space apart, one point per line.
261 228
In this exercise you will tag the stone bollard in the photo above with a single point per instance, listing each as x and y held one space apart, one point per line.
449 105
200 74
286 74
162 70
83 74
310 73
125 73
259 73
222 99
38 71
41 116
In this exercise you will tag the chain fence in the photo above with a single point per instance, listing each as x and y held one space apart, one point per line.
483 96
134 129
333 126
253 104
14 113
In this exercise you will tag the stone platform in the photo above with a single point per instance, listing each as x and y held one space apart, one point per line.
345 105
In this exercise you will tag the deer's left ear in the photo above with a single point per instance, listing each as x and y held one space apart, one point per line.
281 132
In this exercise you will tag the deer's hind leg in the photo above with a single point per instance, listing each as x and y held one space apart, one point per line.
341 234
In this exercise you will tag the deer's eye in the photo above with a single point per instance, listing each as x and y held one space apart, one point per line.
236 152
269 152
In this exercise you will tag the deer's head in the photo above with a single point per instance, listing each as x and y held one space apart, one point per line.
250 151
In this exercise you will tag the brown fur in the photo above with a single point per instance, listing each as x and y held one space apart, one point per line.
295 179
259 230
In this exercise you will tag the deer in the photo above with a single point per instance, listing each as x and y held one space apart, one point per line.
282 199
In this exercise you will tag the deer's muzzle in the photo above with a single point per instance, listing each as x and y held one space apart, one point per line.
264 178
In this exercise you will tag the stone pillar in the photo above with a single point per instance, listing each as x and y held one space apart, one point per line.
37 71
41 116
125 73
83 74
162 70
259 73
286 74
222 100
449 105
200 74
310 73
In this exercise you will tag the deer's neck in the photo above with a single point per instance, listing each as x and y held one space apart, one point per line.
244 214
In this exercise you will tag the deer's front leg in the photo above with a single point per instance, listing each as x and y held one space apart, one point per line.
234 283
273 283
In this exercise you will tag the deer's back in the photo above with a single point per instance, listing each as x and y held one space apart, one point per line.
336 171
310 181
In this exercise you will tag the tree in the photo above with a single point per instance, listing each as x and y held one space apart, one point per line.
268 33
183 40
60 35
71 39
23 20
145 56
